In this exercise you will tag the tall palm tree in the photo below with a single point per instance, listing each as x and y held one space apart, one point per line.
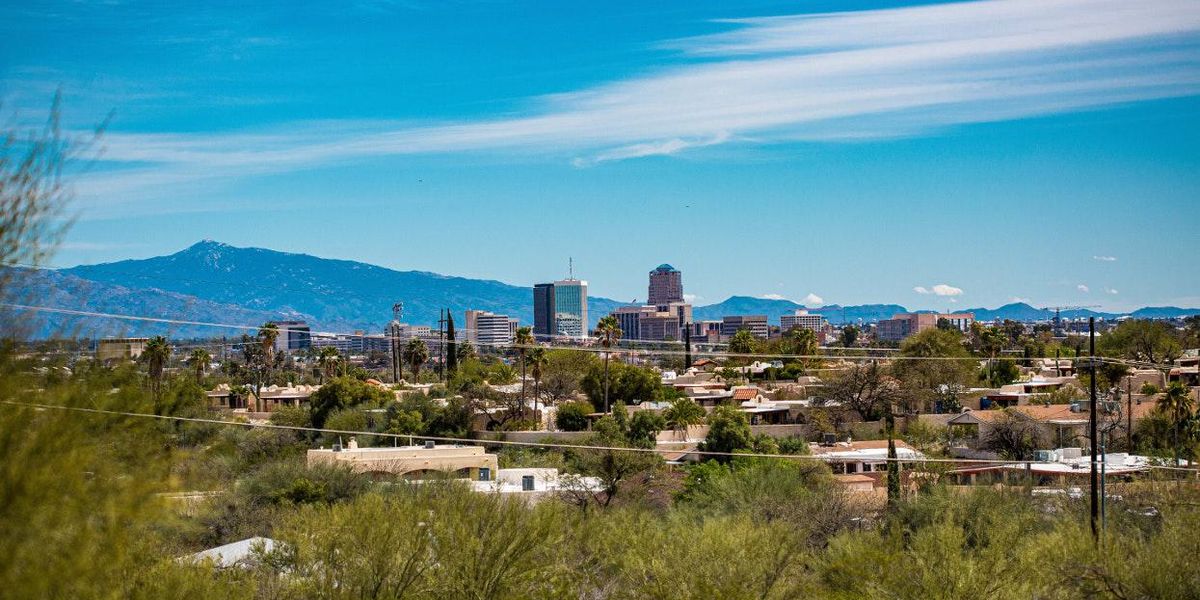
327 361
523 340
415 354
609 332
267 334
537 361
200 360
156 354
1177 401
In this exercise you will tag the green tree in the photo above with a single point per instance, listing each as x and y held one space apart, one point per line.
415 354
466 351
327 361
1142 340
538 362
609 332
156 354
683 413
743 342
200 359
345 392
927 363
1177 402
266 337
644 426
572 416
523 341
849 335
728 431
451 347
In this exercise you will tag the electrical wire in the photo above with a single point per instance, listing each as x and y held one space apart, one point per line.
480 442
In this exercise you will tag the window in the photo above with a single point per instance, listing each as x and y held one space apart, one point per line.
485 474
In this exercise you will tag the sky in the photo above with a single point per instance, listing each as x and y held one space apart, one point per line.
936 155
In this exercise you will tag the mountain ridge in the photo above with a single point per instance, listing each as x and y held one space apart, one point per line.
251 285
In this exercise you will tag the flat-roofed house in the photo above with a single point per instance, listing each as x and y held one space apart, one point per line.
412 462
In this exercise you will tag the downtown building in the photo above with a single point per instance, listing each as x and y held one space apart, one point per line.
903 325
666 286
486 329
803 319
755 324
560 309
293 335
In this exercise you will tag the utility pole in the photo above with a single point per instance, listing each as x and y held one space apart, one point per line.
1095 505
1129 413
687 346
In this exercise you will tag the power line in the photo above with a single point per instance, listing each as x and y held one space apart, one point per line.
483 442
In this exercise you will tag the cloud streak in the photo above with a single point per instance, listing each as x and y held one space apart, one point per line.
829 77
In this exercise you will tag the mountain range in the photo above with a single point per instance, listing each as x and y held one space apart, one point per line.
211 282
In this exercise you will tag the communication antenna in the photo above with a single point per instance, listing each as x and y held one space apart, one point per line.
397 311
570 268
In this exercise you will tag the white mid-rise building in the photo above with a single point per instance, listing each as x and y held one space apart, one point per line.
486 329
800 318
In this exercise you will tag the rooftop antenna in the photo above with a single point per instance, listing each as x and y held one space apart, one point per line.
570 268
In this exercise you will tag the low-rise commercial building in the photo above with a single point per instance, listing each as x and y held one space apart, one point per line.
755 324
412 462
120 348
903 325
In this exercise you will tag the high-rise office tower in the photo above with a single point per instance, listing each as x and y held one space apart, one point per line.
666 286
544 326
570 308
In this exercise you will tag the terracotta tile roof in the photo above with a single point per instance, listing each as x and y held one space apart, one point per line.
745 393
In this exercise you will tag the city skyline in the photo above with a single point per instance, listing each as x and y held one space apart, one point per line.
784 155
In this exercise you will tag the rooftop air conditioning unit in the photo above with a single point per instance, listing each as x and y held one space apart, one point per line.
337 447
429 444
828 439
1075 407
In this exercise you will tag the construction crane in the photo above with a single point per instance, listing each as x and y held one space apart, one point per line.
1058 330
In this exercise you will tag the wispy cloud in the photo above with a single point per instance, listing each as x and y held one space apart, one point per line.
1105 258
1083 288
838 76
773 297
940 289
1112 291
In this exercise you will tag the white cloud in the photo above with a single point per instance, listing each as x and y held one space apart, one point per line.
1105 258
812 300
836 76
772 297
1112 291
691 298
1015 299
940 289
1083 288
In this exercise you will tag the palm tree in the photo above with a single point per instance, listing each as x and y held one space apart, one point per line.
609 331
683 413
156 354
327 361
267 334
523 340
200 359
415 354
1178 401
538 361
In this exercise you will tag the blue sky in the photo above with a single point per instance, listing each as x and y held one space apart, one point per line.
938 155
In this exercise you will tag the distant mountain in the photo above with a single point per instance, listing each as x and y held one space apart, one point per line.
64 291
774 308
215 282
332 295
1163 312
